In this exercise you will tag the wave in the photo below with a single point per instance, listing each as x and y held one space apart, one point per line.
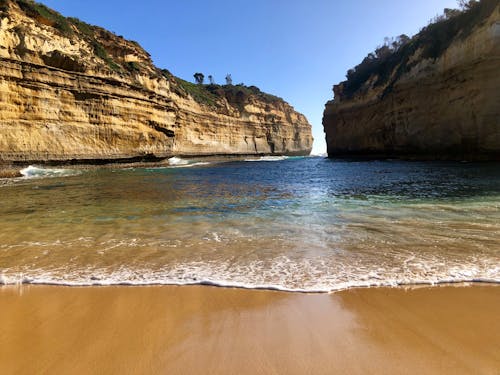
282 274
319 154
195 164
107 281
177 162
268 158
37 172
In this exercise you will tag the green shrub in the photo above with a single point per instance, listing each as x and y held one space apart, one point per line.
211 94
100 52
34 10
132 66
166 73
388 64
240 93
3 6
83 27
65 26
198 92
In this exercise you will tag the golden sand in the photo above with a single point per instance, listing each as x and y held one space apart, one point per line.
205 330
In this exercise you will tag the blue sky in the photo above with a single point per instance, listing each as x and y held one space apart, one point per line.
295 49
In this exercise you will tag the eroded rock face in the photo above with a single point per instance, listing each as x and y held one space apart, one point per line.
81 92
443 108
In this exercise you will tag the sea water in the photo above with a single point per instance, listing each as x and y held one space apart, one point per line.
296 224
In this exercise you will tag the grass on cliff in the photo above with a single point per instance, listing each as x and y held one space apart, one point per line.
438 36
241 93
210 95
388 62
66 26
101 52
46 15
3 7
198 92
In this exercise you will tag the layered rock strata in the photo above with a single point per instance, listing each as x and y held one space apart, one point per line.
72 91
430 107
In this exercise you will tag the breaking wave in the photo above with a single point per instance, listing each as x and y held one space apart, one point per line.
268 158
139 279
178 162
38 172
313 275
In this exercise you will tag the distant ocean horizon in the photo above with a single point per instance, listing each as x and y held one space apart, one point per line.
303 224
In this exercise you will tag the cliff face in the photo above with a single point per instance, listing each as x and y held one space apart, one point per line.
69 90
440 98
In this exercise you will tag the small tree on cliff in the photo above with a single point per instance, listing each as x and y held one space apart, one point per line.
450 13
466 4
199 78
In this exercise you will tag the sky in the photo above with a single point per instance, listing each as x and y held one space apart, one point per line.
294 49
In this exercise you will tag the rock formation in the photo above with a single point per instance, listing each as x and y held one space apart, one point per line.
435 96
72 91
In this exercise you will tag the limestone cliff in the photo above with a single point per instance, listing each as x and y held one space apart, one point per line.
72 91
434 96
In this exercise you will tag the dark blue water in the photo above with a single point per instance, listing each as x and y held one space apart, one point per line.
305 224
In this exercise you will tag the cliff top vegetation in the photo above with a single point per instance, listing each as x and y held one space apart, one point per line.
104 45
211 94
389 61
69 27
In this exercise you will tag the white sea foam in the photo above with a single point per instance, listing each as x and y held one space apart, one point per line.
37 172
145 281
268 158
319 154
177 161
282 273
195 164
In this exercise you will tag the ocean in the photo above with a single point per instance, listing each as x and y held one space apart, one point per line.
303 224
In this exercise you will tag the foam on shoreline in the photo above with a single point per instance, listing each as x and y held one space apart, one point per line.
101 281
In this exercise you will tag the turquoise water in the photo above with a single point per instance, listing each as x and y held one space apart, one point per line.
297 224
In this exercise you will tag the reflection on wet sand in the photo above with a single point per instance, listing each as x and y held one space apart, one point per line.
192 330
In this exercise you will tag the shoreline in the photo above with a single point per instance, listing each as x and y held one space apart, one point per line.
11 169
208 284
214 330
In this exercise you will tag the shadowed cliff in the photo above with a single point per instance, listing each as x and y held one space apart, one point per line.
433 96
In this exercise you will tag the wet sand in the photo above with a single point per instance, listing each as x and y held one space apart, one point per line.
206 330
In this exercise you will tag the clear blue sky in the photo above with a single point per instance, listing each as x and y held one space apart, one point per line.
295 49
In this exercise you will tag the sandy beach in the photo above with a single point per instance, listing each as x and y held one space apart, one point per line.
195 330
